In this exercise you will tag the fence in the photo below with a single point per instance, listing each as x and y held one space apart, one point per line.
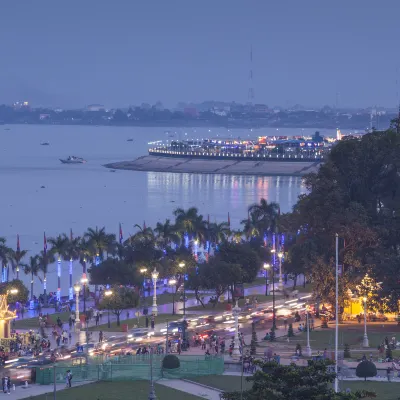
131 368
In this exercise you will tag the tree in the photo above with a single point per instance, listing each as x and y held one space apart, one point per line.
100 241
265 215
22 291
15 257
293 382
121 299
254 341
167 234
33 268
4 254
45 259
366 369
113 271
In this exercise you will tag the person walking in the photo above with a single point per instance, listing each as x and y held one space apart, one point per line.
69 379
100 336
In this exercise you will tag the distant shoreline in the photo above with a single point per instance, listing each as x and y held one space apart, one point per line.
150 163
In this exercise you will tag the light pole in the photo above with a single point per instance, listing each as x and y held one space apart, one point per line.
280 285
365 339
172 283
84 282
308 348
154 275
152 394
236 342
77 289
108 293
266 268
183 266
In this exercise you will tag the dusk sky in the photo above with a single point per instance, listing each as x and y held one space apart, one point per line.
73 53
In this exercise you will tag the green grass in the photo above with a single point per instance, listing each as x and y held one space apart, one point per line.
223 306
138 390
257 282
383 390
33 323
132 322
164 298
226 383
351 334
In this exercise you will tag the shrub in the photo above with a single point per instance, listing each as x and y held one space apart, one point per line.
290 332
346 353
171 362
366 369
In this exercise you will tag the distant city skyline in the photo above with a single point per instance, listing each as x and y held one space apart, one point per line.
311 53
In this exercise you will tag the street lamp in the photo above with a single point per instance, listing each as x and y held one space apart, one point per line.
236 341
266 268
365 339
12 291
154 276
172 283
108 293
84 282
77 289
308 348
280 285
183 266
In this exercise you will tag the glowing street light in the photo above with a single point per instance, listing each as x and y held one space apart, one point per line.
280 256
365 339
154 276
77 289
266 267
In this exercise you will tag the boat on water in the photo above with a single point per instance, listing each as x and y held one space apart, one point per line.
73 160
45 144
130 140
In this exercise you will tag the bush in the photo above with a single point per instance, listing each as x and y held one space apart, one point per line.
346 353
366 369
171 362
290 332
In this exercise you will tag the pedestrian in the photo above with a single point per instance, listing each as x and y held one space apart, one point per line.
58 340
8 384
127 315
100 336
147 321
285 323
388 372
152 321
3 384
97 319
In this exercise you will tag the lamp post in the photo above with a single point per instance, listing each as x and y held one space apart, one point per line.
183 266
236 341
108 293
280 285
152 394
154 276
172 283
84 282
266 268
77 289
308 348
365 339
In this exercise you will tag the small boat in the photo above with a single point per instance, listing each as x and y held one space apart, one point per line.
45 144
73 160
130 140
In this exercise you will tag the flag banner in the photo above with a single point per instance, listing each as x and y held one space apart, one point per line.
121 238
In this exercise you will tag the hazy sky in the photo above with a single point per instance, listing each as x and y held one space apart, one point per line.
121 52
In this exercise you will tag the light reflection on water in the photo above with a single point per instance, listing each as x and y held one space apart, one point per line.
89 195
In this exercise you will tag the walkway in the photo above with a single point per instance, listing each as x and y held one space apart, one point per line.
192 388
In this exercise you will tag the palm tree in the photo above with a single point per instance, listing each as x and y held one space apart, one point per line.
101 241
143 234
266 214
219 232
251 227
45 258
237 236
86 253
33 268
167 234
4 256
186 221
71 254
15 258
59 247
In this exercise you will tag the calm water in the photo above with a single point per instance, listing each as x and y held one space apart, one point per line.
89 195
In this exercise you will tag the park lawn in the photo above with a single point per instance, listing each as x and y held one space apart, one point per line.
223 306
164 298
259 281
383 390
351 334
138 390
226 383
33 323
133 322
